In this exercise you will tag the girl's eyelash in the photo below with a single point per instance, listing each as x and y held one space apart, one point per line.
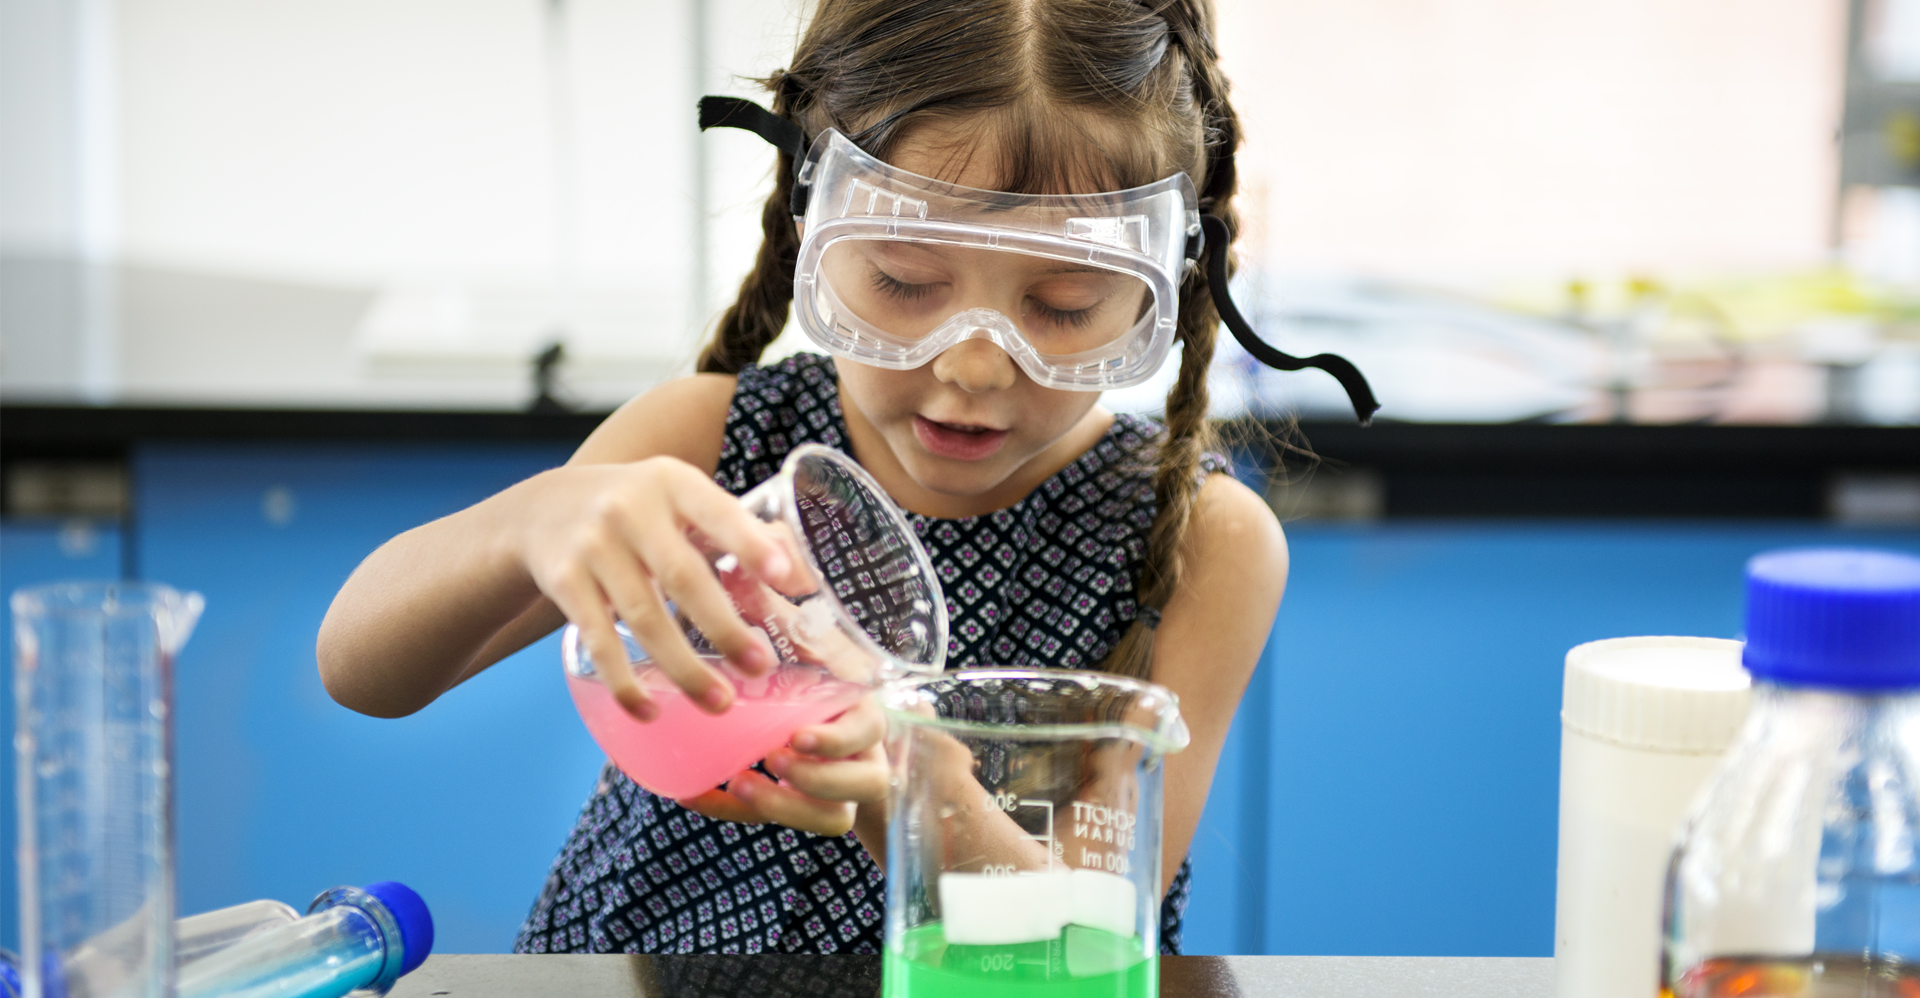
894 287
890 285
1074 318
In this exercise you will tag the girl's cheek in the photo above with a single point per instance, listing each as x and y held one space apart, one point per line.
880 395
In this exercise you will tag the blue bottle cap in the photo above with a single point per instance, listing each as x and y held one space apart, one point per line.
9 975
1846 618
410 913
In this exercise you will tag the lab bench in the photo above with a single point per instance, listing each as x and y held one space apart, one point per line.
1388 786
771 976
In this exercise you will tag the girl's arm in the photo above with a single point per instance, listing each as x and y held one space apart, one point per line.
1210 637
443 601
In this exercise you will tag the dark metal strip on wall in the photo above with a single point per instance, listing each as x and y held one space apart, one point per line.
1390 469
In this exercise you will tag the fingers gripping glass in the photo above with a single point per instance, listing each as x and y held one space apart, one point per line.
868 610
1081 290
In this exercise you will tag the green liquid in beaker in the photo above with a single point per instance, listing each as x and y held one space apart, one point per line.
1081 963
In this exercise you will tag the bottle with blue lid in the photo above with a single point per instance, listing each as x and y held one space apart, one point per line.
1798 872
353 941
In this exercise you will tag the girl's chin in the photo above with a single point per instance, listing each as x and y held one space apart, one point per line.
959 479
941 477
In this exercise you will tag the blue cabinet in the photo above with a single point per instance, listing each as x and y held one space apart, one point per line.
281 792
1389 786
1391 782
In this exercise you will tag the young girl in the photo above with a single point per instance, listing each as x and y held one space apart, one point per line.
968 352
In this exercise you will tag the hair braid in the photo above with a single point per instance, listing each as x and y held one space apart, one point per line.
1177 478
759 311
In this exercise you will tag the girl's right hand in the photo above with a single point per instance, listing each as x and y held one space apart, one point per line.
607 541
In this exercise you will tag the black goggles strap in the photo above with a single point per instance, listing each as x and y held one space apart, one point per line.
784 135
1340 367
733 112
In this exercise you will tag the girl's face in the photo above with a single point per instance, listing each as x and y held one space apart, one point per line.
970 427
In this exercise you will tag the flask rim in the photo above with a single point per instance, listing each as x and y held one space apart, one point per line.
790 514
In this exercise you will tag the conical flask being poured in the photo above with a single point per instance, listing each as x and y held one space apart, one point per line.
869 611
93 695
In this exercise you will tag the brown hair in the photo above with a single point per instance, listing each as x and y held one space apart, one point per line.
874 69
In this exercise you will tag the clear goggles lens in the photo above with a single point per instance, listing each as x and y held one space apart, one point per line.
913 292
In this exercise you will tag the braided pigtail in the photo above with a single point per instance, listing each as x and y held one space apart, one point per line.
759 312
1177 476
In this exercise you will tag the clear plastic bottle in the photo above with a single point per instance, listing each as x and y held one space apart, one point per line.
195 937
199 936
352 940
1798 874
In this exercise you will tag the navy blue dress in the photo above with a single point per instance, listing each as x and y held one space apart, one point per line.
1045 583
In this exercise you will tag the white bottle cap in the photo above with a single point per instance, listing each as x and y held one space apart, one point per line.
1658 694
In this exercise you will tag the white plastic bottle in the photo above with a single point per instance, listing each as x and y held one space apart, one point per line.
1798 873
1644 723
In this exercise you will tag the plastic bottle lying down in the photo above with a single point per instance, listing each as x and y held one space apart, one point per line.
197 937
352 940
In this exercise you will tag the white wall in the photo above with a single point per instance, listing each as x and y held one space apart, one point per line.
366 138
1480 139
59 154
402 146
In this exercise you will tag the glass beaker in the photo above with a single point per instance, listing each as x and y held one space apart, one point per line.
1023 842
871 611
93 749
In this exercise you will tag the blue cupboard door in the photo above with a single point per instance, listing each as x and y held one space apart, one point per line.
1391 783
32 552
281 792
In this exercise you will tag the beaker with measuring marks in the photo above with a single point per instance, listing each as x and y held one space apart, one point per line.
870 610
1023 840
93 751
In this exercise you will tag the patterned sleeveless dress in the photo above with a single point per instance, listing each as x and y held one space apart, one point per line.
1046 582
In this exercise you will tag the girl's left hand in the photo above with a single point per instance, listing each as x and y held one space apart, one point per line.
824 774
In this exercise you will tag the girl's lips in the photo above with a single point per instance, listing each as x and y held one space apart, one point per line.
960 444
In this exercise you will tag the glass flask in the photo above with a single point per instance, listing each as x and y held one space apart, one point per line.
871 611
1023 840
93 692
1796 875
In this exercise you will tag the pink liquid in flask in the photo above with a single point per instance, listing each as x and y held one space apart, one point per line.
686 751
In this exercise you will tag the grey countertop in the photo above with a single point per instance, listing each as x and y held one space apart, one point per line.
767 976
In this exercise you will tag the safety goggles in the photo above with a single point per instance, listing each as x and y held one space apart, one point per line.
1081 290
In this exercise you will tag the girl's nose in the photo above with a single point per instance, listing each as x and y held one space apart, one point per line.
975 366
